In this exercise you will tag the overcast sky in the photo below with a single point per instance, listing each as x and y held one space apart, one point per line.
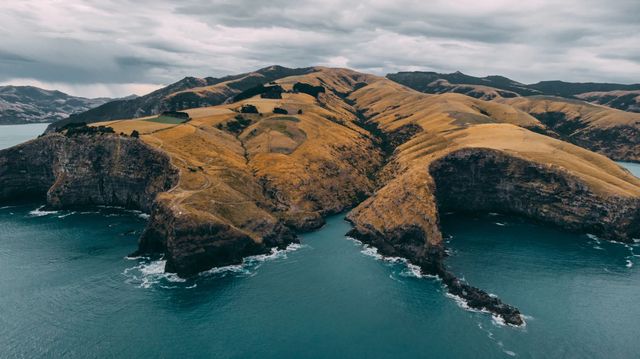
118 47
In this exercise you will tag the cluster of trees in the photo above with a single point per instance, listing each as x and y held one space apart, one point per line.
81 128
264 92
249 109
308 89
275 91
176 114
237 125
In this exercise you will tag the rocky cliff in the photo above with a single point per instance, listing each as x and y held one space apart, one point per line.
86 170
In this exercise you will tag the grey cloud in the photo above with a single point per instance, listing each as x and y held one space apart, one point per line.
9 57
157 42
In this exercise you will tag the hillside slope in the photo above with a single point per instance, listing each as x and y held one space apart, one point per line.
613 133
190 92
621 100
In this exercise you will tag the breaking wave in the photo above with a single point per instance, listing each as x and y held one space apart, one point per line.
409 270
150 273
39 212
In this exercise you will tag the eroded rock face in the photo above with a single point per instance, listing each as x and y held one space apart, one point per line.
86 170
484 180
192 244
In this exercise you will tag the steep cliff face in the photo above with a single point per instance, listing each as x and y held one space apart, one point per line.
194 242
86 170
486 180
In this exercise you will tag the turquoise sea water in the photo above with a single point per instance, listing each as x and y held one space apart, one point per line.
66 290
11 135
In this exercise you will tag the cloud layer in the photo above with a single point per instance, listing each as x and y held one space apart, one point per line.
114 48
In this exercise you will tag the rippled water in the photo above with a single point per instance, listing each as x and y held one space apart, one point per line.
66 290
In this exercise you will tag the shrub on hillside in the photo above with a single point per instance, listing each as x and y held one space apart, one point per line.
264 92
308 89
238 124
176 114
249 109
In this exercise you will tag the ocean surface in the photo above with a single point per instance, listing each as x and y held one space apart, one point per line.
67 290
11 135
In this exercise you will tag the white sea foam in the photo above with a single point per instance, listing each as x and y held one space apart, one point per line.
629 263
500 224
38 212
144 215
275 253
593 237
495 319
250 264
237 269
149 273
410 270
66 214
498 320
499 343
462 303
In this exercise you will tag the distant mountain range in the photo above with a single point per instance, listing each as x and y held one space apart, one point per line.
28 104
622 97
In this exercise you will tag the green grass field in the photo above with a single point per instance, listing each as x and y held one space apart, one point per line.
167 120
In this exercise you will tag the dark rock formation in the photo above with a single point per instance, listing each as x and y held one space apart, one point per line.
191 245
430 259
484 180
80 170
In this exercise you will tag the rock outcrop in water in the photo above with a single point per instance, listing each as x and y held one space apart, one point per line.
228 184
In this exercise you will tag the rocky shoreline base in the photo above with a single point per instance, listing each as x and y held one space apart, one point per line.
432 262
